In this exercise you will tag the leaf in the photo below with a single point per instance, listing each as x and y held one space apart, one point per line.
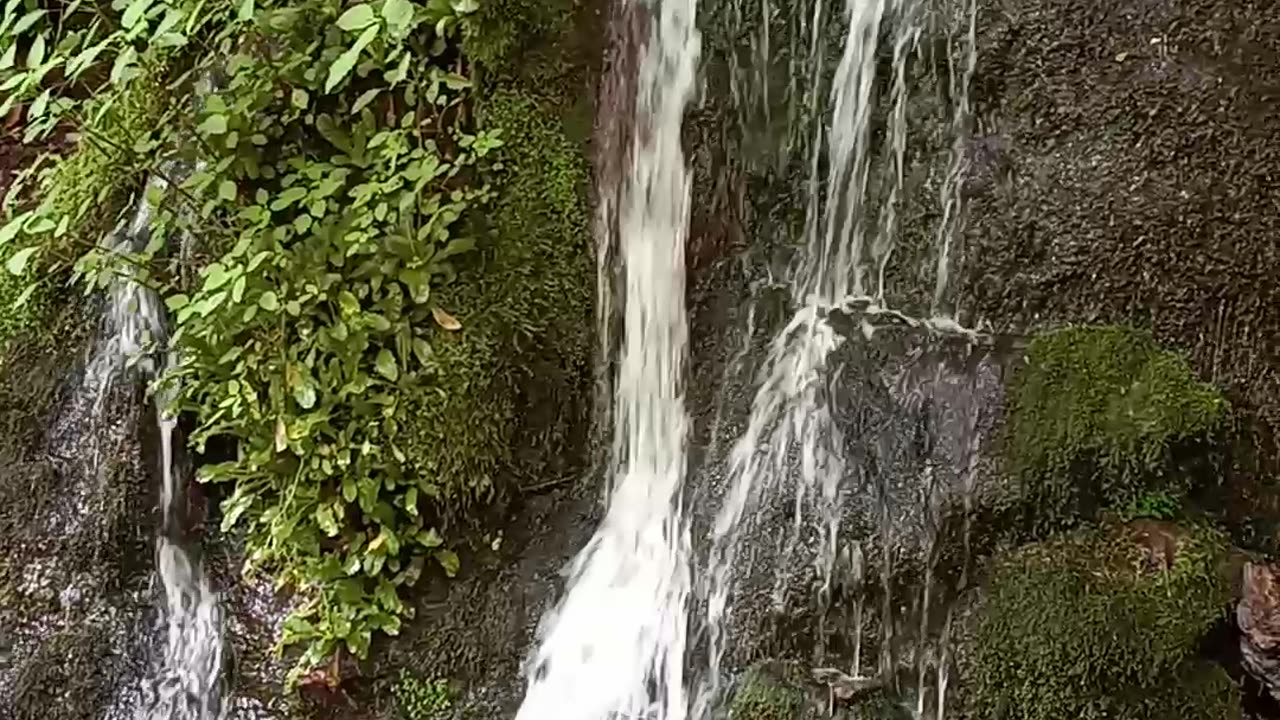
246 11
429 539
11 229
288 197
176 302
445 320
398 14
356 17
17 265
269 301
300 98
9 57
134 13
418 282
237 289
35 56
215 276
448 560
305 394
27 21
342 66
386 366
421 350
227 190
235 506
348 489
281 436
325 519
213 125
123 61
365 98
38 107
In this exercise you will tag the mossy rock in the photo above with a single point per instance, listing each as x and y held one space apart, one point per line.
1095 418
770 691
524 301
1086 625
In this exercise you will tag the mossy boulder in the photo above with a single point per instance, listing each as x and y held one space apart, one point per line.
1096 418
1101 623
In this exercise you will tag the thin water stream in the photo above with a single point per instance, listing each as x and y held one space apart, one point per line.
186 680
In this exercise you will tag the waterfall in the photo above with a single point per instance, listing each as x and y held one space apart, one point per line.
615 645
186 685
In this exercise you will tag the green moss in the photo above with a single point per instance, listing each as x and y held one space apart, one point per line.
500 28
1094 417
90 187
1080 626
524 303
422 699
766 694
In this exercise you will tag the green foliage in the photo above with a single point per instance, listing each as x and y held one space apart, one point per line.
1081 626
422 699
1155 505
501 27
341 310
1094 416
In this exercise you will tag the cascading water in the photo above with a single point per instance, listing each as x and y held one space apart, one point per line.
615 645
186 685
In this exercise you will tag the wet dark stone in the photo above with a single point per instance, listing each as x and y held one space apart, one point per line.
1143 141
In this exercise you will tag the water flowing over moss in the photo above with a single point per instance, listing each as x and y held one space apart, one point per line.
1100 624
1095 416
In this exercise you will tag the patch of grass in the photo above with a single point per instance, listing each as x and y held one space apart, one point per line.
1094 418
1084 625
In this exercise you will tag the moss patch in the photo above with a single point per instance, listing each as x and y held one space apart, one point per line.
525 305
1095 416
1088 624
767 693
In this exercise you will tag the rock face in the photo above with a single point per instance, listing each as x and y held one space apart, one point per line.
1140 139
1258 617
75 495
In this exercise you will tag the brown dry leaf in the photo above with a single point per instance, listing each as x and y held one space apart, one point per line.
445 320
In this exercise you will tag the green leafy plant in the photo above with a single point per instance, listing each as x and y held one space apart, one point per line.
422 699
310 206
1156 505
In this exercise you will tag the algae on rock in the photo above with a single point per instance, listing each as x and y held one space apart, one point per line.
1094 419
1099 623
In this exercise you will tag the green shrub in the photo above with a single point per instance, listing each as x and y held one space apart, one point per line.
1093 419
1080 626
342 310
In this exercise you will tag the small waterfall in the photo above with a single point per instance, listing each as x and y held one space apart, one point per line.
615 645
186 685
791 442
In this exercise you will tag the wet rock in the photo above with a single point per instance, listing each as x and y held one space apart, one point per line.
1258 617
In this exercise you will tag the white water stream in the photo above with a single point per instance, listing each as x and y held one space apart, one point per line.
615 646
186 684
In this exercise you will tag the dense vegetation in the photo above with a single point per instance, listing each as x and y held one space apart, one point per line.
1099 624
319 175
1095 418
